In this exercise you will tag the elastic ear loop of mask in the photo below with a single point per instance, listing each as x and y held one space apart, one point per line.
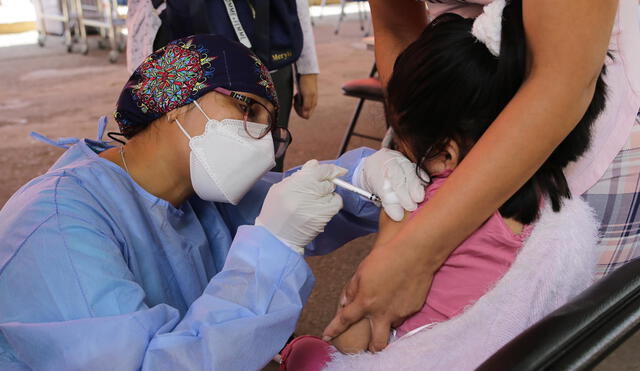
182 129
201 110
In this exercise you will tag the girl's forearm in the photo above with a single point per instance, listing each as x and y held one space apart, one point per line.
395 25
547 107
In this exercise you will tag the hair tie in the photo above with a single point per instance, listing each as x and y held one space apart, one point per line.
487 28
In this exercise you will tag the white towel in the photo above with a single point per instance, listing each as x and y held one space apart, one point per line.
555 264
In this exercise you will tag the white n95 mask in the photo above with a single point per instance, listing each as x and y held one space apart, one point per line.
225 161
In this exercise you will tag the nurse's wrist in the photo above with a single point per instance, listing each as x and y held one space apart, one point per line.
298 250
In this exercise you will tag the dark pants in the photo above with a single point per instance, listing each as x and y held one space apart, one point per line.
283 80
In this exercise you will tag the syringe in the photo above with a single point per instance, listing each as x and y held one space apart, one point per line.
350 187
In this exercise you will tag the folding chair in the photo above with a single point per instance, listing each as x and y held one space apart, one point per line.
365 89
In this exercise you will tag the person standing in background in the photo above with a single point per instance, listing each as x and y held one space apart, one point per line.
306 76
153 23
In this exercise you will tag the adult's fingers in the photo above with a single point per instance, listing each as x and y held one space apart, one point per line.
333 202
417 192
322 172
391 202
415 181
297 106
345 317
310 164
394 211
398 179
380 330
309 102
324 188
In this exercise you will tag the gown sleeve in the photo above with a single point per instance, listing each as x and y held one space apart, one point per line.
69 302
357 218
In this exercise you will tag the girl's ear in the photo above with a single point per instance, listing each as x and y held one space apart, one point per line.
446 160
451 157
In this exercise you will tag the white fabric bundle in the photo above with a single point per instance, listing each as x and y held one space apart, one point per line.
556 263
487 28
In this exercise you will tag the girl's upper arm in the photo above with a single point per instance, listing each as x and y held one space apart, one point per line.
388 228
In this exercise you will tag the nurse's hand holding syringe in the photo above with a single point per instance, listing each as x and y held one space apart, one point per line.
298 208
394 179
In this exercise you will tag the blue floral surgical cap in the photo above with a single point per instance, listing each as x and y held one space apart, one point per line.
185 70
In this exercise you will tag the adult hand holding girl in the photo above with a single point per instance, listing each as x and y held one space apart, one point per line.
566 44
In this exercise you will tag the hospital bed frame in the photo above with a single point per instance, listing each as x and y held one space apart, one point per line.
65 17
102 15
77 15
580 334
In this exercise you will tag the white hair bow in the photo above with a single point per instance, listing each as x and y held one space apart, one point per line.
487 28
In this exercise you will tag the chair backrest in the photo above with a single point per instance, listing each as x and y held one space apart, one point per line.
581 333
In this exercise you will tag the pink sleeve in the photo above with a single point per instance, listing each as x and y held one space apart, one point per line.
430 190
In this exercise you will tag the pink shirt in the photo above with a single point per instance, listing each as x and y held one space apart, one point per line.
471 269
611 130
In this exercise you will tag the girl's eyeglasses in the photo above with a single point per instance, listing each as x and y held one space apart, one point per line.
254 111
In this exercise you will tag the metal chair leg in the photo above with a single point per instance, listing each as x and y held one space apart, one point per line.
360 16
343 3
111 31
322 5
84 42
351 127
356 114
42 26
368 24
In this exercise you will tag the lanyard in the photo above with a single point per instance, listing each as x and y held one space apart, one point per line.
235 22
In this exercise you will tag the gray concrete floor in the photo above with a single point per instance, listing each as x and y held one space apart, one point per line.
62 95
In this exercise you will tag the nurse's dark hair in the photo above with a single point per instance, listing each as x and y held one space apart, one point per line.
447 86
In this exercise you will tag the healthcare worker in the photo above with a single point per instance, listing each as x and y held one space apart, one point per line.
175 251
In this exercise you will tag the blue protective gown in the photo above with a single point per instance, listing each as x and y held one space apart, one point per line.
98 274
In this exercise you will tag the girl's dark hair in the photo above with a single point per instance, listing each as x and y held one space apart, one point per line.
448 86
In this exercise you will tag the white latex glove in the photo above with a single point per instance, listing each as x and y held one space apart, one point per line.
298 208
393 178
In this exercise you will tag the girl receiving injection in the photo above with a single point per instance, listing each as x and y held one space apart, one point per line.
447 87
